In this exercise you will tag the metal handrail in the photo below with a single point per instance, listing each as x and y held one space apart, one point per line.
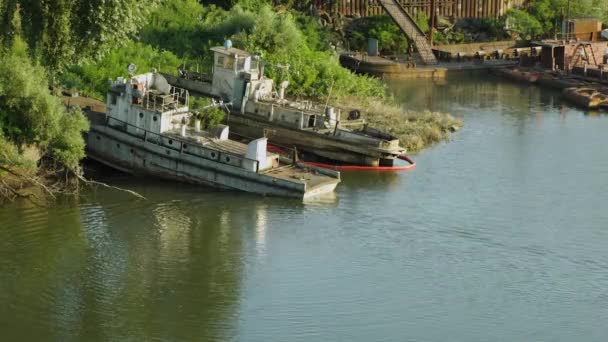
146 133
181 98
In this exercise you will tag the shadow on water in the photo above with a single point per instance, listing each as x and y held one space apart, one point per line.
372 181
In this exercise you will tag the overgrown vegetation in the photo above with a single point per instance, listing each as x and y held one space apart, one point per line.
61 32
90 77
415 130
209 115
31 116
390 38
40 138
543 18
36 129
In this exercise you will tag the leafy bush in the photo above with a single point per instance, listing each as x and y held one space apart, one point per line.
210 117
10 156
31 116
390 38
92 77
523 24
422 20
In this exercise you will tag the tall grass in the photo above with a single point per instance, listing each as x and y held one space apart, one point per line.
415 130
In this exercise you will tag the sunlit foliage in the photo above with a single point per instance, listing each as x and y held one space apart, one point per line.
31 116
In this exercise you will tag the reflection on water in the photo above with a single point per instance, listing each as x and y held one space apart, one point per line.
118 268
498 235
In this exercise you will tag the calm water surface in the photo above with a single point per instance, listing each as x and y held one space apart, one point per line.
499 235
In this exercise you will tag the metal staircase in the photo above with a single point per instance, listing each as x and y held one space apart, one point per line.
407 24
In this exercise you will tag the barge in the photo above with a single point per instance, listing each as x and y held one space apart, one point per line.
259 109
146 131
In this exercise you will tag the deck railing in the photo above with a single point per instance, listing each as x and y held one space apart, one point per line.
176 98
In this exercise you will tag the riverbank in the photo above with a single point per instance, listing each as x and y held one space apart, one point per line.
416 130
39 185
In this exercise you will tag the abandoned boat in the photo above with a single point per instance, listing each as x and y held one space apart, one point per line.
258 109
589 98
145 131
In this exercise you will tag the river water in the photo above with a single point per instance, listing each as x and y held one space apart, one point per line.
498 235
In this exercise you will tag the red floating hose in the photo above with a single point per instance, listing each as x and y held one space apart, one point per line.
412 165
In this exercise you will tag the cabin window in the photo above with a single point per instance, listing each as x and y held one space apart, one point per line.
155 118
220 61
113 99
227 159
141 115
240 66
230 63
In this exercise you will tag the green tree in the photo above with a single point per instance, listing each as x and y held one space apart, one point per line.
61 32
31 116
523 23
549 13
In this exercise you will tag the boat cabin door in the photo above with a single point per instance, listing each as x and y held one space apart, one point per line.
242 87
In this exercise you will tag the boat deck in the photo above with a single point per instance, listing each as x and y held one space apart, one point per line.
287 172
208 140
303 175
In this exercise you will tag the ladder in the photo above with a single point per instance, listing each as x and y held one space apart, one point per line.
407 24
583 52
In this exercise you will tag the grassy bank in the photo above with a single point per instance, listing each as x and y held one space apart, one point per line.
415 130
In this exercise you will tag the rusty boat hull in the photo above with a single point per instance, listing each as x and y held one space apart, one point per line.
328 144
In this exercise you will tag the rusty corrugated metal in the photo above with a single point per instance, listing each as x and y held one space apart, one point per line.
447 8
